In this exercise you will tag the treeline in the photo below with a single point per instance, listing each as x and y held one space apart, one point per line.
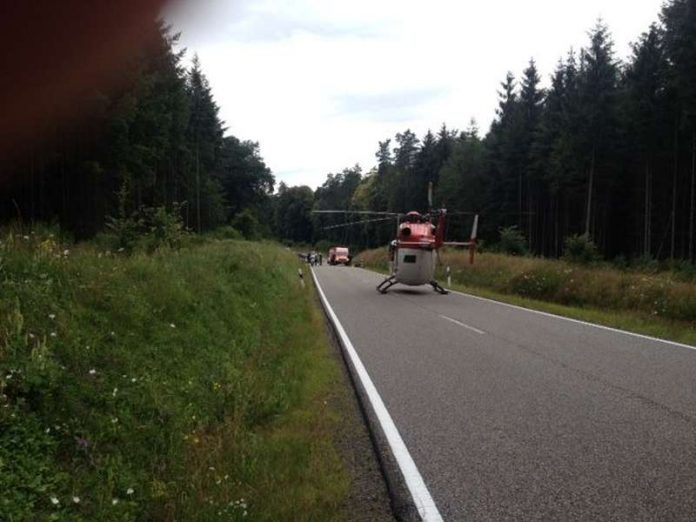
155 141
608 151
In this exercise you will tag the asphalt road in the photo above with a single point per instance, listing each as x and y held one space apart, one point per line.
513 415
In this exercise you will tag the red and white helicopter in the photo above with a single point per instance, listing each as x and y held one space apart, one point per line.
413 254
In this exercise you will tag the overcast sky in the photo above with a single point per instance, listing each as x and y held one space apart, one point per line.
319 82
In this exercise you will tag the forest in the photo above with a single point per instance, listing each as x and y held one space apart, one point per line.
155 142
606 152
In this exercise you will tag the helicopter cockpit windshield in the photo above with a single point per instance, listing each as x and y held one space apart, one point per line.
413 217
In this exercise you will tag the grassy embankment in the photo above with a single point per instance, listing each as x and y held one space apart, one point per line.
182 385
657 304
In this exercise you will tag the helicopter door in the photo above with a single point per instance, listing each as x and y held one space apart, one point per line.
415 266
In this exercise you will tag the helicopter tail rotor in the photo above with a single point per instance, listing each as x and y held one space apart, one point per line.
471 244
472 240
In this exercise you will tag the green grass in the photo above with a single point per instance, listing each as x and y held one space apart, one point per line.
182 385
660 305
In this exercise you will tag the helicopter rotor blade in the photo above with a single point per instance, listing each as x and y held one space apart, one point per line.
462 213
358 222
365 212
457 243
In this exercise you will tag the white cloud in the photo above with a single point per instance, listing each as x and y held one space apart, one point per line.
319 82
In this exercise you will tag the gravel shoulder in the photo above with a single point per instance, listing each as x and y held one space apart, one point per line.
368 500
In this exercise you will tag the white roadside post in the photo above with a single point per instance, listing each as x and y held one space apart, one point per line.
299 273
449 278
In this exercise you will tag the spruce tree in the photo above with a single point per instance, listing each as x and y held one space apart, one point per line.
598 99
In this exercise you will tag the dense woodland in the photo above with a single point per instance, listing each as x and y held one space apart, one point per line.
607 151
155 142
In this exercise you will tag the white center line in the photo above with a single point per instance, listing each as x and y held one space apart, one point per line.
481 332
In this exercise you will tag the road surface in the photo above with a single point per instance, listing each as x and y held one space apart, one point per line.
514 415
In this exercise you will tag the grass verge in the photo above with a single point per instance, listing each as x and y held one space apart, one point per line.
649 304
182 385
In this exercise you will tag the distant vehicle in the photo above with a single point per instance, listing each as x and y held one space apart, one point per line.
339 256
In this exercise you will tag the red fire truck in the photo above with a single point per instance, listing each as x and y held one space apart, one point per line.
339 256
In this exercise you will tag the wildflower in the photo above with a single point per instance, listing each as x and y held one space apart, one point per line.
48 430
66 252
129 491
112 334
92 371
134 379
31 335
113 394
76 500
114 420
114 501
55 501
172 325
54 334
26 238
51 316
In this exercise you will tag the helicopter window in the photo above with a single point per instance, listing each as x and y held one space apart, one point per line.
409 259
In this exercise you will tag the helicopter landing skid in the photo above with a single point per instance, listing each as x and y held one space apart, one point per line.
387 284
436 286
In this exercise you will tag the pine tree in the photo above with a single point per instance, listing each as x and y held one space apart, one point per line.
645 119
205 137
402 183
531 98
505 154
679 19
425 171
598 98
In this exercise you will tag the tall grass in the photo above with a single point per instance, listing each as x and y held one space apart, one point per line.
183 385
661 295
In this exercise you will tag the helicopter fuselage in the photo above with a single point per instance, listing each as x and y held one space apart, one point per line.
414 266
413 252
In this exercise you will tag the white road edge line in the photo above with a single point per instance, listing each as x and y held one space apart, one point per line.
463 325
414 481
578 321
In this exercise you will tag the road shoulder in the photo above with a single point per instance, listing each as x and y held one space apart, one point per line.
369 498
